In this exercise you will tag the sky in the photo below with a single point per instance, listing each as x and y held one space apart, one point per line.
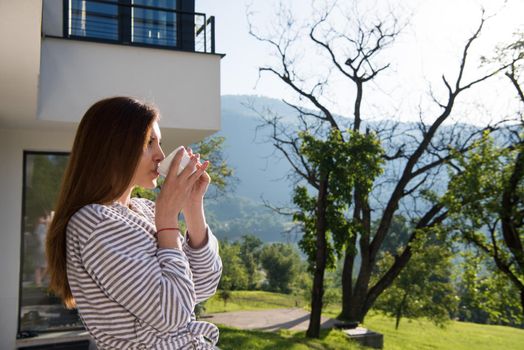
429 46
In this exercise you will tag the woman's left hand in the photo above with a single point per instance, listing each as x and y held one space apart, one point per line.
193 209
200 187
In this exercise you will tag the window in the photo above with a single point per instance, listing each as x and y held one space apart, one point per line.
94 19
172 24
151 22
151 26
40 311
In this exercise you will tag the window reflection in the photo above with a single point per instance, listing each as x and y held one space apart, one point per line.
94 19
40 310
158 27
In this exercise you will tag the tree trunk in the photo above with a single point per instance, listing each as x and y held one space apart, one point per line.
522 300
317 293
353 301
361 287
347 280
399 310
358 101
398 316
363 297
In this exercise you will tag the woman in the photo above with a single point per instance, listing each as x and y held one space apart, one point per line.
122 261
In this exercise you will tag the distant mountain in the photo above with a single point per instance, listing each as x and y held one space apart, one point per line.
260 171
263 172
234 216
249 106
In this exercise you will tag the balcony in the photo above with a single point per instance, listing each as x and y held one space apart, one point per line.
132 22
92 49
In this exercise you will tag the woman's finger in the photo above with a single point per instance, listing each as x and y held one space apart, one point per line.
190 168
200 170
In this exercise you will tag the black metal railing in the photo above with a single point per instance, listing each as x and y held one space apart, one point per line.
134 24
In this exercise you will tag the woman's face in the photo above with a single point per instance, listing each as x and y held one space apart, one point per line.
146 173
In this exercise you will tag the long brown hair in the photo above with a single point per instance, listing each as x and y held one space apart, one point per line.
108 145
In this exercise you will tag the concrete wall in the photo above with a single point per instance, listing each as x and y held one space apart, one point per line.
20 22
74 74
13 142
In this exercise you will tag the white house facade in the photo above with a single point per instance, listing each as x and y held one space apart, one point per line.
57 58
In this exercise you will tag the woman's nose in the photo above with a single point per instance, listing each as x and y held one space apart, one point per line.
160 154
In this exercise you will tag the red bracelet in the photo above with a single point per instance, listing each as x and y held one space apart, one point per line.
168 229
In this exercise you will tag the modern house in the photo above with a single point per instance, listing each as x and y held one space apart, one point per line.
57 58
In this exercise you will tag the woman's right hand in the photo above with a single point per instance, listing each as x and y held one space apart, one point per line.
176 190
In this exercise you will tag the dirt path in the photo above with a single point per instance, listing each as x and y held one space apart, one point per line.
295 319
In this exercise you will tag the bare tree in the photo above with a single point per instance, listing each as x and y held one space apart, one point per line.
355 54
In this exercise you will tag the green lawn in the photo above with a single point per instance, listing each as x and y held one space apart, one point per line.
252 300
411 335
421 335
235 339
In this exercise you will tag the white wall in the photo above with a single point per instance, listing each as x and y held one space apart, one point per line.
12 144
20 22
74 74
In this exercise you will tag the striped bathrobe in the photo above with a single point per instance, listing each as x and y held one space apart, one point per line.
130 293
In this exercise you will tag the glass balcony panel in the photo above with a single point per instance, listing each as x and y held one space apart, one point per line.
93 19
154 26
141 22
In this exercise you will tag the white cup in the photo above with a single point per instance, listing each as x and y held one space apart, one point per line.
163 167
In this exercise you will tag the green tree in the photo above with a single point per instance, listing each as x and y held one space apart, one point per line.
234 273
250 250
221 174
326 227
486 205
424 288
281 263
485 296
486 197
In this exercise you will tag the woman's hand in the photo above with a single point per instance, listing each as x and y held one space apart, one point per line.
201 185
194 208
177 190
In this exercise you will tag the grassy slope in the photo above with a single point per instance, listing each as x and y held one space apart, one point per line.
420 335
252 300
411 335
235 339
